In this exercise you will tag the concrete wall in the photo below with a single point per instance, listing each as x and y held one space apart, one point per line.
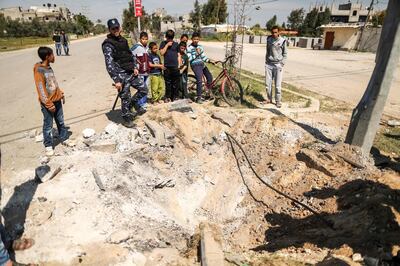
370 39
345 38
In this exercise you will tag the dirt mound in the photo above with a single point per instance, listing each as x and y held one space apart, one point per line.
142 193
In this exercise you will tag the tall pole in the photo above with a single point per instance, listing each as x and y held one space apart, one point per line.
371 6
138 23
366 116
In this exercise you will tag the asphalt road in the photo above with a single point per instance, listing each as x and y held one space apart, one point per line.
338 74
82 76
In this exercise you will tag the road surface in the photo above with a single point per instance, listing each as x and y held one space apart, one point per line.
338 74
82 76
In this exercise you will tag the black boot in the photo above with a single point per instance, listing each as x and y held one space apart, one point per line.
128 122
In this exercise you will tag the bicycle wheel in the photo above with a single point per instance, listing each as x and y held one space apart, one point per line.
192 86
232 91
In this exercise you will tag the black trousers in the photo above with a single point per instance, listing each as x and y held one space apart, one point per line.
172 79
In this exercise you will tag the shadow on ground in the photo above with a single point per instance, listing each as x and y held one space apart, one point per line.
367 220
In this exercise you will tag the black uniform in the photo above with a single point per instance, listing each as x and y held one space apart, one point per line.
120 64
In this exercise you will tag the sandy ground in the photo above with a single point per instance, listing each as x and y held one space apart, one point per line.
338 74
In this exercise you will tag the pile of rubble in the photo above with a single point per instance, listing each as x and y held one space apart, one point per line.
156 194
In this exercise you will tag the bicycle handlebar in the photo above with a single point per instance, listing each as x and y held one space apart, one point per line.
225 61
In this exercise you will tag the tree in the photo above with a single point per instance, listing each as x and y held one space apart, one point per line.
270 23
323 19
309 25
3 25
84 25
214 12
296 18
195 16
283 25
378 18
155 23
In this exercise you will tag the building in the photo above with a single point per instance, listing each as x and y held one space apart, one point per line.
47 12
346 13
179 25
346 36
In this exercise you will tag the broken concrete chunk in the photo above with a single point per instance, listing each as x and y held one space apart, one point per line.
32 133
226 118
181 106
97 179
39 138
310 157
211 245
119 236
107 146
44 173
88 133
196 140
157 131
111 129
394 123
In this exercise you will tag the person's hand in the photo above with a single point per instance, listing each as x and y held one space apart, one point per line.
63 99
52 109
198 51
118 86
135 72
169 44
163 67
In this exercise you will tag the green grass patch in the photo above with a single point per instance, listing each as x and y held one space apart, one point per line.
254 90
10 44
388 140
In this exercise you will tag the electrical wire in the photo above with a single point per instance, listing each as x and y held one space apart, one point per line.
230 139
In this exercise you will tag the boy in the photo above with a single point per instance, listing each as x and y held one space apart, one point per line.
183 69
275 59
169 49
197 60
50 97
184 38
156 79
140 51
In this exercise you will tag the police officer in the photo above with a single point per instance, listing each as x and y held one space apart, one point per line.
122 67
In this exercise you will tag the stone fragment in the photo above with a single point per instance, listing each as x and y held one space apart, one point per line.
310 157
111 129
119 236
45 173
357 257
394 123
181 106
107 146
227 118
157 131
88 133
211 245
39 138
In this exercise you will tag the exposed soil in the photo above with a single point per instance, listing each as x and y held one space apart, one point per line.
157 191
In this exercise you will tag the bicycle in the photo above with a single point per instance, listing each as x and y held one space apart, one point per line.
230 88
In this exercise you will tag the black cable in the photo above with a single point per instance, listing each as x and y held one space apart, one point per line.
230 138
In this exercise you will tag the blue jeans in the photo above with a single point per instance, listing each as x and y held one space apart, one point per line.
58 48
66 48
200 70
4 241
48 117
183 85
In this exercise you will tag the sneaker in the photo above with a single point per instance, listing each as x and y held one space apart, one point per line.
49 151
69 143
199 100
128 123
278 104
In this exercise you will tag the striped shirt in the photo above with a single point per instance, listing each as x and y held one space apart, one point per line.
196 54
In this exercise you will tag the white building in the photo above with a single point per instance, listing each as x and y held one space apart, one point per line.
46 13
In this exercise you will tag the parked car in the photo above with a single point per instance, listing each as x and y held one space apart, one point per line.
318 46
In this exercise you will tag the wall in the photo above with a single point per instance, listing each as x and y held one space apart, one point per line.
345 38
370 39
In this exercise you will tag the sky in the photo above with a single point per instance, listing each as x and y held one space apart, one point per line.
105 9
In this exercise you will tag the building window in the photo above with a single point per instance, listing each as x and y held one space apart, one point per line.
30 18
47 18
355 13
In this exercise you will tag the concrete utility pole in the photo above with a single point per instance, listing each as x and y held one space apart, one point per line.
366 116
